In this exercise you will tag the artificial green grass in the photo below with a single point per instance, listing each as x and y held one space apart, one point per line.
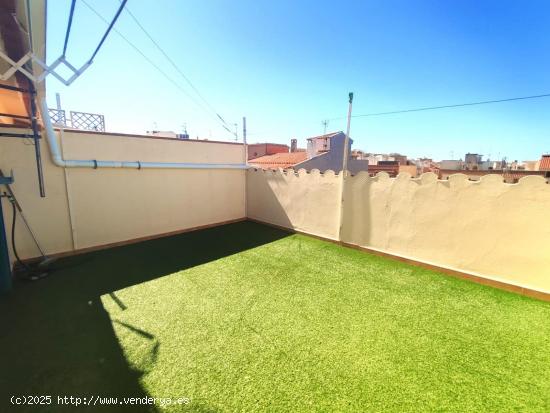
249 318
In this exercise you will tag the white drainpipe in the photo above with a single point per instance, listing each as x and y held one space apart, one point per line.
58 160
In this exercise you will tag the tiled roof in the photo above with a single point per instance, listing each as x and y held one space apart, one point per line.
279 160
392 170
544 163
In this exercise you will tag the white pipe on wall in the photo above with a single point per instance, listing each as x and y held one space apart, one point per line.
58 160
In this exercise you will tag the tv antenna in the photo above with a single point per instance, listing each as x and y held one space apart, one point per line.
325 124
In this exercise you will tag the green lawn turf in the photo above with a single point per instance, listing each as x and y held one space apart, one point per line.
249 318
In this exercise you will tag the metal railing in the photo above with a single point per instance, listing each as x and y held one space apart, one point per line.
78 120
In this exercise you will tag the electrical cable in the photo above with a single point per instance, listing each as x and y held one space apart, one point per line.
152 63
14 248
175 66
32 274
484 102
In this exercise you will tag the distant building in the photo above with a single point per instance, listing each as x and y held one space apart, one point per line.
327 152
256 150
531 165
453 164
426 165
488 165
401 159
411 168
275 155
472 161
375 158
167 134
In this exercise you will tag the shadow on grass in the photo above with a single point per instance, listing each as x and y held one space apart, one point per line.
57 339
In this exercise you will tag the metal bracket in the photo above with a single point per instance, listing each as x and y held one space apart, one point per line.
31 57
6 180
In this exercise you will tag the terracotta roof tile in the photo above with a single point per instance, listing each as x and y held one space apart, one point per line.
279 160
544 163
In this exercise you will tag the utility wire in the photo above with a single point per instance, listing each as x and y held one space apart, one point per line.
485 102
175 66
150 61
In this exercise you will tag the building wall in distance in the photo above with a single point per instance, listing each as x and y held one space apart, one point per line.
412 170
451 164
256 150
331 160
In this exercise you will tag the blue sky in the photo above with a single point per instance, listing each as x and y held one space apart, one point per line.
289 65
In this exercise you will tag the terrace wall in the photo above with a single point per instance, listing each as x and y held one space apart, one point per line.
87 208
487 228
302 201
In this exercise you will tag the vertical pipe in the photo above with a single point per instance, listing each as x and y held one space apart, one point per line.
346 140
345 167
69 199
35 132
5 269
245 148
245 162
58 101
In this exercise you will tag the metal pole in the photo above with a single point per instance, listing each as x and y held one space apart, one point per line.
5 270
345 167
5 267
36 134
58 101
346 140
245 162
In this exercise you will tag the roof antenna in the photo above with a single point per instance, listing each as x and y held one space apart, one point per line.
325 124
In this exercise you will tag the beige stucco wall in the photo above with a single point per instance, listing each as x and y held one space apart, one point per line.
303 201
488 228
112 205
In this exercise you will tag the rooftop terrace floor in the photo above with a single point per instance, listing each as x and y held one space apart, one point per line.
245 317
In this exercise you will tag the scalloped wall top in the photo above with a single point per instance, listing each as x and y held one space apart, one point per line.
532 181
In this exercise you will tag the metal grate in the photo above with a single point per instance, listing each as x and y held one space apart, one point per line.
87 121
58 117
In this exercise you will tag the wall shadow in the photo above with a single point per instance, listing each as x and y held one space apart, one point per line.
56 337
273 203
357 214
265 199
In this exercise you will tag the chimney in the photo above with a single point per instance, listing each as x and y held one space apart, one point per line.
293 145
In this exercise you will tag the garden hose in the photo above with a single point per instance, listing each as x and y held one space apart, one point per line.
31 274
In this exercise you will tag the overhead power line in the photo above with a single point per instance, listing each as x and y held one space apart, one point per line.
175 66
156 66
484 102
